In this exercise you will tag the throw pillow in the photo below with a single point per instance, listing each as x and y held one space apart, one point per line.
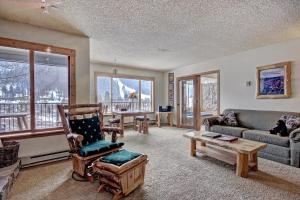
280 129
291 121
220 120
229 119
89 128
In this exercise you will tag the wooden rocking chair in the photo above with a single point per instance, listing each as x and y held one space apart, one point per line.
85 131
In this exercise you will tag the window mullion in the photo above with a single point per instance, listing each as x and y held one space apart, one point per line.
152 96
111 98
140 94
32 90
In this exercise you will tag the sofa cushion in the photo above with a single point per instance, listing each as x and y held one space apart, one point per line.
99 147
228 130
266 137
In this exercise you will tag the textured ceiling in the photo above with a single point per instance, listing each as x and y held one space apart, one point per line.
165 34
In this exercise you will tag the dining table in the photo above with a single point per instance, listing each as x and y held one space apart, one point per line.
131 113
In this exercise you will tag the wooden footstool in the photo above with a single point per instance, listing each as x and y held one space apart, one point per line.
120 172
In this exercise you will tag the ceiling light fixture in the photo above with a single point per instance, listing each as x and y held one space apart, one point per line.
46 5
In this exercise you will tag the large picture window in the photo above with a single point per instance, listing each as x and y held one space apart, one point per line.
117 92
32 82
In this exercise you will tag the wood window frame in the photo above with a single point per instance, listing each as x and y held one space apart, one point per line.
111 75
32 47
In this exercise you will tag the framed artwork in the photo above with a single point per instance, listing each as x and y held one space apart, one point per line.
273 81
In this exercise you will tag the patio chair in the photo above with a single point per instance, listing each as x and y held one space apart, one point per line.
85 131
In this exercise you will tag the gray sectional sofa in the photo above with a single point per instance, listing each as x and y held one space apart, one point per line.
255 125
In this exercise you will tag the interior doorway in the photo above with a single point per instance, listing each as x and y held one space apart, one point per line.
198 97
209 94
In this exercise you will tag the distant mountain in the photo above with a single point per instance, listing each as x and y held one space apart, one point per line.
121 88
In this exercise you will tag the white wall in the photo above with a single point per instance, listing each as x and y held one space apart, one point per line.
236 69
159 88
81 45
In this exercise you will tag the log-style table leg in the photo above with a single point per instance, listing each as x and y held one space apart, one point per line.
145 127
158 119
122 125
242 165
19 123
193 147
25 123
171 119
253 159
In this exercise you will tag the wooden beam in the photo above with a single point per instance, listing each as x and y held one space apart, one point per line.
35 46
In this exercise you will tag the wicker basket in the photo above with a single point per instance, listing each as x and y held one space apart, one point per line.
9 153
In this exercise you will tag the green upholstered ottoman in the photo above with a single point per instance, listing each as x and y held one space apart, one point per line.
120 172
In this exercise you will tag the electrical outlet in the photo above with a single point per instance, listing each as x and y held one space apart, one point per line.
248 83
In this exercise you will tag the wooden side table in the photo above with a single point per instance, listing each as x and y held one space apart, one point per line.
169 118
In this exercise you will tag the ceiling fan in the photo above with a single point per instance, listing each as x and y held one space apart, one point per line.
44 5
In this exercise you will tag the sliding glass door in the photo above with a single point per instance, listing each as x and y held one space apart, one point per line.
198 97
186 102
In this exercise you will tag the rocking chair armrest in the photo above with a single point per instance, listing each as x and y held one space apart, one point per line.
111 129
77 138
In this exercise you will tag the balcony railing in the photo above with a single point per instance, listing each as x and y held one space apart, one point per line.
108 107
15 116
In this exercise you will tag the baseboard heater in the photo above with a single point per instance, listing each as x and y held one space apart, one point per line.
44 158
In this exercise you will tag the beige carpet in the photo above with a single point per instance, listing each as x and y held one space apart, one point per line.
171 174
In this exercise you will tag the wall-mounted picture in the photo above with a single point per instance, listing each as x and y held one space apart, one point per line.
273 81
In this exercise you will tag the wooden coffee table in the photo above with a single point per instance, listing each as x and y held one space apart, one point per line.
242 152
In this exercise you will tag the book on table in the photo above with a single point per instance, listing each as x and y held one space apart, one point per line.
211 134
227 138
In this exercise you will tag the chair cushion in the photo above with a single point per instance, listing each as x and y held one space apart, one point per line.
89 128
265 136
99 147
228 130
121 157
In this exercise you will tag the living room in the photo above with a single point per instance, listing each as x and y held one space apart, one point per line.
203 59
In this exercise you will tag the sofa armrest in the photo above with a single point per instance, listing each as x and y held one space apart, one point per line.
210 121
295 135
295 153
111 129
